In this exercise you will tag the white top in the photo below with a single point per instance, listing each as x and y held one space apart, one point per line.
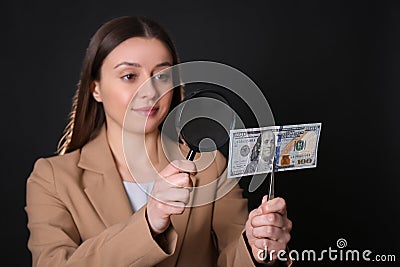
138 193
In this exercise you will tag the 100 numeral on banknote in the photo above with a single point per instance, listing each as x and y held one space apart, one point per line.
252 151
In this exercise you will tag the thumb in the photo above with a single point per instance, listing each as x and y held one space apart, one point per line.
264 199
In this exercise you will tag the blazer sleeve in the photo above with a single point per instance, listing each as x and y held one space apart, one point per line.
229 219
55 240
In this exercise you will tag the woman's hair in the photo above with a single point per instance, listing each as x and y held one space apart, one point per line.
87 115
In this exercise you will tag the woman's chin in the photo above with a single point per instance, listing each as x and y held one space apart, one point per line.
136 130
142 126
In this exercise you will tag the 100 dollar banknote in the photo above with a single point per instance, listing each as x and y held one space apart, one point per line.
290 147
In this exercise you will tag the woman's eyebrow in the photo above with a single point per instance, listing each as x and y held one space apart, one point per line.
165 63
132 64
137 65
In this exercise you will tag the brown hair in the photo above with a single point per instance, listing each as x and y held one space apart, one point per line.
87 115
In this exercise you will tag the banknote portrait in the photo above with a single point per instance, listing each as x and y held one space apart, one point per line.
262 153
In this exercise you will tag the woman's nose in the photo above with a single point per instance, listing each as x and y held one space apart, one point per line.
147 89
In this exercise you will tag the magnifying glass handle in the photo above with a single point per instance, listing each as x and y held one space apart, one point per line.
191 154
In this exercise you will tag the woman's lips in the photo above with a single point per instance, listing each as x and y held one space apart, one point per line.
146 111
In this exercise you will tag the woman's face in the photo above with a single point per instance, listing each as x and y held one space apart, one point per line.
123 72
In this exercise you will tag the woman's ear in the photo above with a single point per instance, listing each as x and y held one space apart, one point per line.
95 89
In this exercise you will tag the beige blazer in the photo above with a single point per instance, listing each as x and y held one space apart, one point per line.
79 215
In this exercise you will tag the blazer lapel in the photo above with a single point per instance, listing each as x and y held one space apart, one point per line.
102 182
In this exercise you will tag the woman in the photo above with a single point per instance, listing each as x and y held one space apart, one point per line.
79 208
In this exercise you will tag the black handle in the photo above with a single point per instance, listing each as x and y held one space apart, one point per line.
191 154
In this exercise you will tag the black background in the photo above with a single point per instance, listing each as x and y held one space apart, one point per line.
335 62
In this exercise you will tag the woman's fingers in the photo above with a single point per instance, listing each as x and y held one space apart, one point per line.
277 205
178 172
268 227
170 194
179 180
185 166
269 244
175 195
178 166
174 208
270 222
271 219
272 233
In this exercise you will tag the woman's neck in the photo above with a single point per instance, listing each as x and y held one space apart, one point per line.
139 151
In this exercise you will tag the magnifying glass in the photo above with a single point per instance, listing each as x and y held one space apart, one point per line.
203 121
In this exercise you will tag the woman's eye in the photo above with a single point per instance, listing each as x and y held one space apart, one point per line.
164 77
129 76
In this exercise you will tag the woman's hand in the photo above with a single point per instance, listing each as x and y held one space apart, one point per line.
170 194
268 227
